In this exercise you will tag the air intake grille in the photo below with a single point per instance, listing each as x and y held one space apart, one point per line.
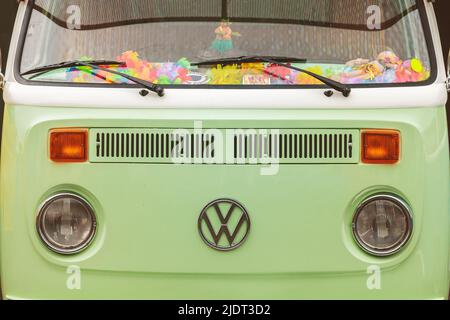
294 146
157 145
219 146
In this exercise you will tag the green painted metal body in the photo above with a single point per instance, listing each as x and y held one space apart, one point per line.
147 243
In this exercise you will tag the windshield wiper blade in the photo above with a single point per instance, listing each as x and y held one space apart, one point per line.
338 86
70 64
249 59
96 65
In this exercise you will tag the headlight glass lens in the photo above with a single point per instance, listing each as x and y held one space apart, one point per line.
66 223
382 225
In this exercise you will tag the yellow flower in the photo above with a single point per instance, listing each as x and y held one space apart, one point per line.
303 78
253 68
225 75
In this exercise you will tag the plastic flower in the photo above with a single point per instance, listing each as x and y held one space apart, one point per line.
279 71
412 71
184 63
303 78
225 75
131 58
252 68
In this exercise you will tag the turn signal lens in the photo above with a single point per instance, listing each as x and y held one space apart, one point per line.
380 146
69 145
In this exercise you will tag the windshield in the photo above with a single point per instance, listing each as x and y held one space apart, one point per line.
351 41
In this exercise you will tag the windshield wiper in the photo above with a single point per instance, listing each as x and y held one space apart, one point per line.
69 64
96 65
249 59
338 86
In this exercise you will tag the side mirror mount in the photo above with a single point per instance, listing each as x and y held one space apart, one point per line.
2 77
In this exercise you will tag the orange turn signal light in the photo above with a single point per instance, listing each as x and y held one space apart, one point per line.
69 145
380 146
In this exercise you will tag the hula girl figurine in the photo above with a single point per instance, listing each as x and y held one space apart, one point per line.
224 37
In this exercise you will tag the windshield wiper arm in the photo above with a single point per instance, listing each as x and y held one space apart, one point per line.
96 65
338 86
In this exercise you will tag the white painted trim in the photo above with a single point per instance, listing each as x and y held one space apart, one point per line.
374 98
9 73
442 72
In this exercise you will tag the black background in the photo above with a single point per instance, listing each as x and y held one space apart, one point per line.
8 12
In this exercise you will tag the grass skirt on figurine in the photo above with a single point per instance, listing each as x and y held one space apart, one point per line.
222 45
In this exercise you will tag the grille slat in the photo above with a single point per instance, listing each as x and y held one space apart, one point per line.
245 146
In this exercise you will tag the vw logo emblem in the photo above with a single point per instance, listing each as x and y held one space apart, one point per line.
224 224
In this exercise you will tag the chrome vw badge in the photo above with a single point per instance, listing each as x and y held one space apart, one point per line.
224 224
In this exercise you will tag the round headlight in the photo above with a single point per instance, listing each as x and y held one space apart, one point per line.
382 225
66 223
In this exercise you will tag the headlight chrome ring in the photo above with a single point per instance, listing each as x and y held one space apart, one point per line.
66 223
382 225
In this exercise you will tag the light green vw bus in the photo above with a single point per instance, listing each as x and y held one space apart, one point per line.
225 149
